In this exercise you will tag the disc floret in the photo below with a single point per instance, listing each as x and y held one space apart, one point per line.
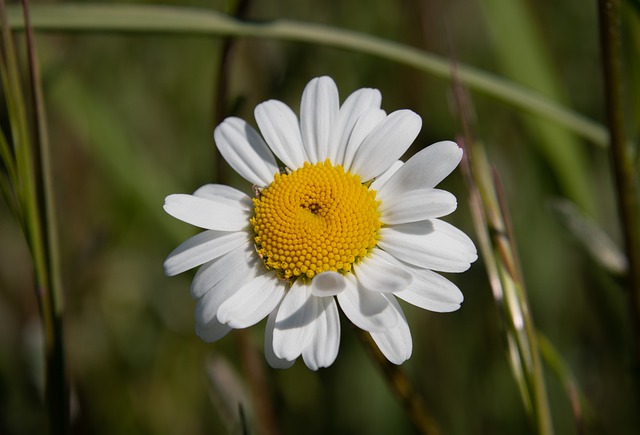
315 219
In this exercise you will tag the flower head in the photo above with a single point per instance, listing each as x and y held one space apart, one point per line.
343 223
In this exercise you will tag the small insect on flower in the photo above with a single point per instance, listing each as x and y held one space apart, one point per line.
346 224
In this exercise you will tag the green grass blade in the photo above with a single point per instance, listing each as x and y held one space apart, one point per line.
180 20
10 179
524 59
31 193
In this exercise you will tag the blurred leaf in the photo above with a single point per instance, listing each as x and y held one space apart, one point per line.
635 4
631 54
103 128
557 364
593 238
525 59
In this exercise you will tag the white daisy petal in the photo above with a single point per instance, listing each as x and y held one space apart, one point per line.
245 151
212 331
269 354
328 284
225 194
429 244
382 273
384 177
417 205
446 228
365 125
356 105
318 117
431 291
367 310
395 343
279 126
295 322
207 306
425 169
344 188
199 249
252 302
237 261
209 213
386 143
324 348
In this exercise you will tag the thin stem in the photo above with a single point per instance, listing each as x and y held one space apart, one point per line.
254 368
492 221
148 18
622 159
528 343
25 186
224 66
398 381
10 179
56 388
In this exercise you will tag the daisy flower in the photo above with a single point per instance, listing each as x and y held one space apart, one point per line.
336 220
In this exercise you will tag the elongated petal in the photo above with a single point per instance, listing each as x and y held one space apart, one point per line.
386 143
455 233
252 302
201 248
381 273
279 126
324 348
395 343
328 284
225 194
245 151
425 169
212 331
385 176
353 108
431 244
209 213
318 117
295 322
237 262
367 310
208 305
430 291
269 354
365 125
417 205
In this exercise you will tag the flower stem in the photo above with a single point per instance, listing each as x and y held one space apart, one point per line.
622 159
412 402
254 368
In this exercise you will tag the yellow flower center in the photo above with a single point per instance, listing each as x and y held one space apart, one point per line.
316 218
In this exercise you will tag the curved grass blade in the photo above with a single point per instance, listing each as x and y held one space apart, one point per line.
182 20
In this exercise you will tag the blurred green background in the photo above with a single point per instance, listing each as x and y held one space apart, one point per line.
131 120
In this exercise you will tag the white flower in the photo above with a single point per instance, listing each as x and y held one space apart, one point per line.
345 223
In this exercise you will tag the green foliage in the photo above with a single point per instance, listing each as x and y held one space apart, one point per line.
130 101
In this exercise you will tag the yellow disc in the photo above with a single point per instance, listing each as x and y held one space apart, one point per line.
315 219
